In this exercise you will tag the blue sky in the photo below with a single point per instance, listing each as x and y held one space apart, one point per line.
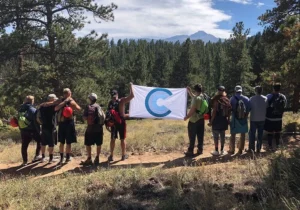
166 18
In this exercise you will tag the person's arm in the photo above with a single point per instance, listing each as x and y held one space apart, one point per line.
190 92
75 106
47 104
62 104
191 112
31 113
85 114
127 99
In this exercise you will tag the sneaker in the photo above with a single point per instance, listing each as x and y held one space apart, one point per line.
230 152
97 161
42 160
24 164
36 158
189 154
68 160
223 152
88 162
215 153
124 157
51 161
110 158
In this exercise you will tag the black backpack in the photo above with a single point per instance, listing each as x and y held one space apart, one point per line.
277 105
240 109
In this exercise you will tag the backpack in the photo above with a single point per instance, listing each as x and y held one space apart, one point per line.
224 107
112 115
59 115
95 115
277 105
23 122
240 109
39 118
204 108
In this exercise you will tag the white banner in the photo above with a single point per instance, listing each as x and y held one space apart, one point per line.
151 102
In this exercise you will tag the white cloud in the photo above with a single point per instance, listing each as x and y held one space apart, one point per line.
242 1
260 4
161 18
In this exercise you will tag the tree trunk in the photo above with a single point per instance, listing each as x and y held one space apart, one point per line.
296 98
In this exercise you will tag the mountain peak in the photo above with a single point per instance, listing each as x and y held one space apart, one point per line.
200 35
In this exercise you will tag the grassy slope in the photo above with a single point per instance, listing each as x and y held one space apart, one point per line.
240 184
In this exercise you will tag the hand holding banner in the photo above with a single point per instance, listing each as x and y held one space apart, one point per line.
151 102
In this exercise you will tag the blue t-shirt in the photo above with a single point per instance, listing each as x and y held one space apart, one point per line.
233 102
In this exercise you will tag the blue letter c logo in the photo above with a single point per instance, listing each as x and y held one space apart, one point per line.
151 102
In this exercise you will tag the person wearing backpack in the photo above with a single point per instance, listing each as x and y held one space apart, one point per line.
66 124
116 113
95 117
258 105
28 128
221 109
239 119
199 107
46 118
273 124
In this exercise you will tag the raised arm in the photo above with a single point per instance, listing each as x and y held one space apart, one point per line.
62 104
190 92
130 97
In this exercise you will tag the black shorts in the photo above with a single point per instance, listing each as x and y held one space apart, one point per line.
119 128
49 137
91 138
67 132
273 126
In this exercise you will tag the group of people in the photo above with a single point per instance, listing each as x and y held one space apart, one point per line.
41 123
266 113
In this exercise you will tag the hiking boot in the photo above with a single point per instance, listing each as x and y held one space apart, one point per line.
110 158
88 162
199 152
124 157
189 154
223 152
97 161
215 153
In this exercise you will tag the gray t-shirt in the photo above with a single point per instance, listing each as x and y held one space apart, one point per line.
259 104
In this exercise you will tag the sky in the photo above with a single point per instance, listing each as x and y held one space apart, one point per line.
166 18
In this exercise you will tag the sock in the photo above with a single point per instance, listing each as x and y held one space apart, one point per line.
43 155
61 156
89 158
51 157
68 156
217 149
222 147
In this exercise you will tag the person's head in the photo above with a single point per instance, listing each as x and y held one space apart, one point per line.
93 98
114 95
52 97
67 93
221 90
198 88
276 87
29 100
238 89
258 90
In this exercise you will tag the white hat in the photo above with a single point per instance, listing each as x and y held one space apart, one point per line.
93 96
238 89
52 96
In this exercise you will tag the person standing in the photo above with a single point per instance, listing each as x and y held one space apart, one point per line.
66 124
28 129
118 105
95 117
258 105
46 117
276 105
196 120
239 119
221 109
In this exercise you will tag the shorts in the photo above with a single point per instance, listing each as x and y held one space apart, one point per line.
119 128
67 132
91 138
273 126
49 137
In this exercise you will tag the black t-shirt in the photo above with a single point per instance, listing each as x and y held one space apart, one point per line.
114 105
48 115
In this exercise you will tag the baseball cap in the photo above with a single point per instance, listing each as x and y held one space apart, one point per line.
52 96
113 93
221 88
93 96
238 89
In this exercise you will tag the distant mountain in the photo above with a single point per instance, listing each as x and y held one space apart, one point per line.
200 35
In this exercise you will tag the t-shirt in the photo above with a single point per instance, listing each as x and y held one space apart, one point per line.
234 101
48 114
96 127
259 104
197 102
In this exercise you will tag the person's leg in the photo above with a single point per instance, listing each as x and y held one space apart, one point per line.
278 132
222 135
37 137
43 151
252 133
200 135
242 142
50 150
260 132
216 139
123 146
192 138
123 140
61 151
270 140
26 138
277 139
68 152
232 143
